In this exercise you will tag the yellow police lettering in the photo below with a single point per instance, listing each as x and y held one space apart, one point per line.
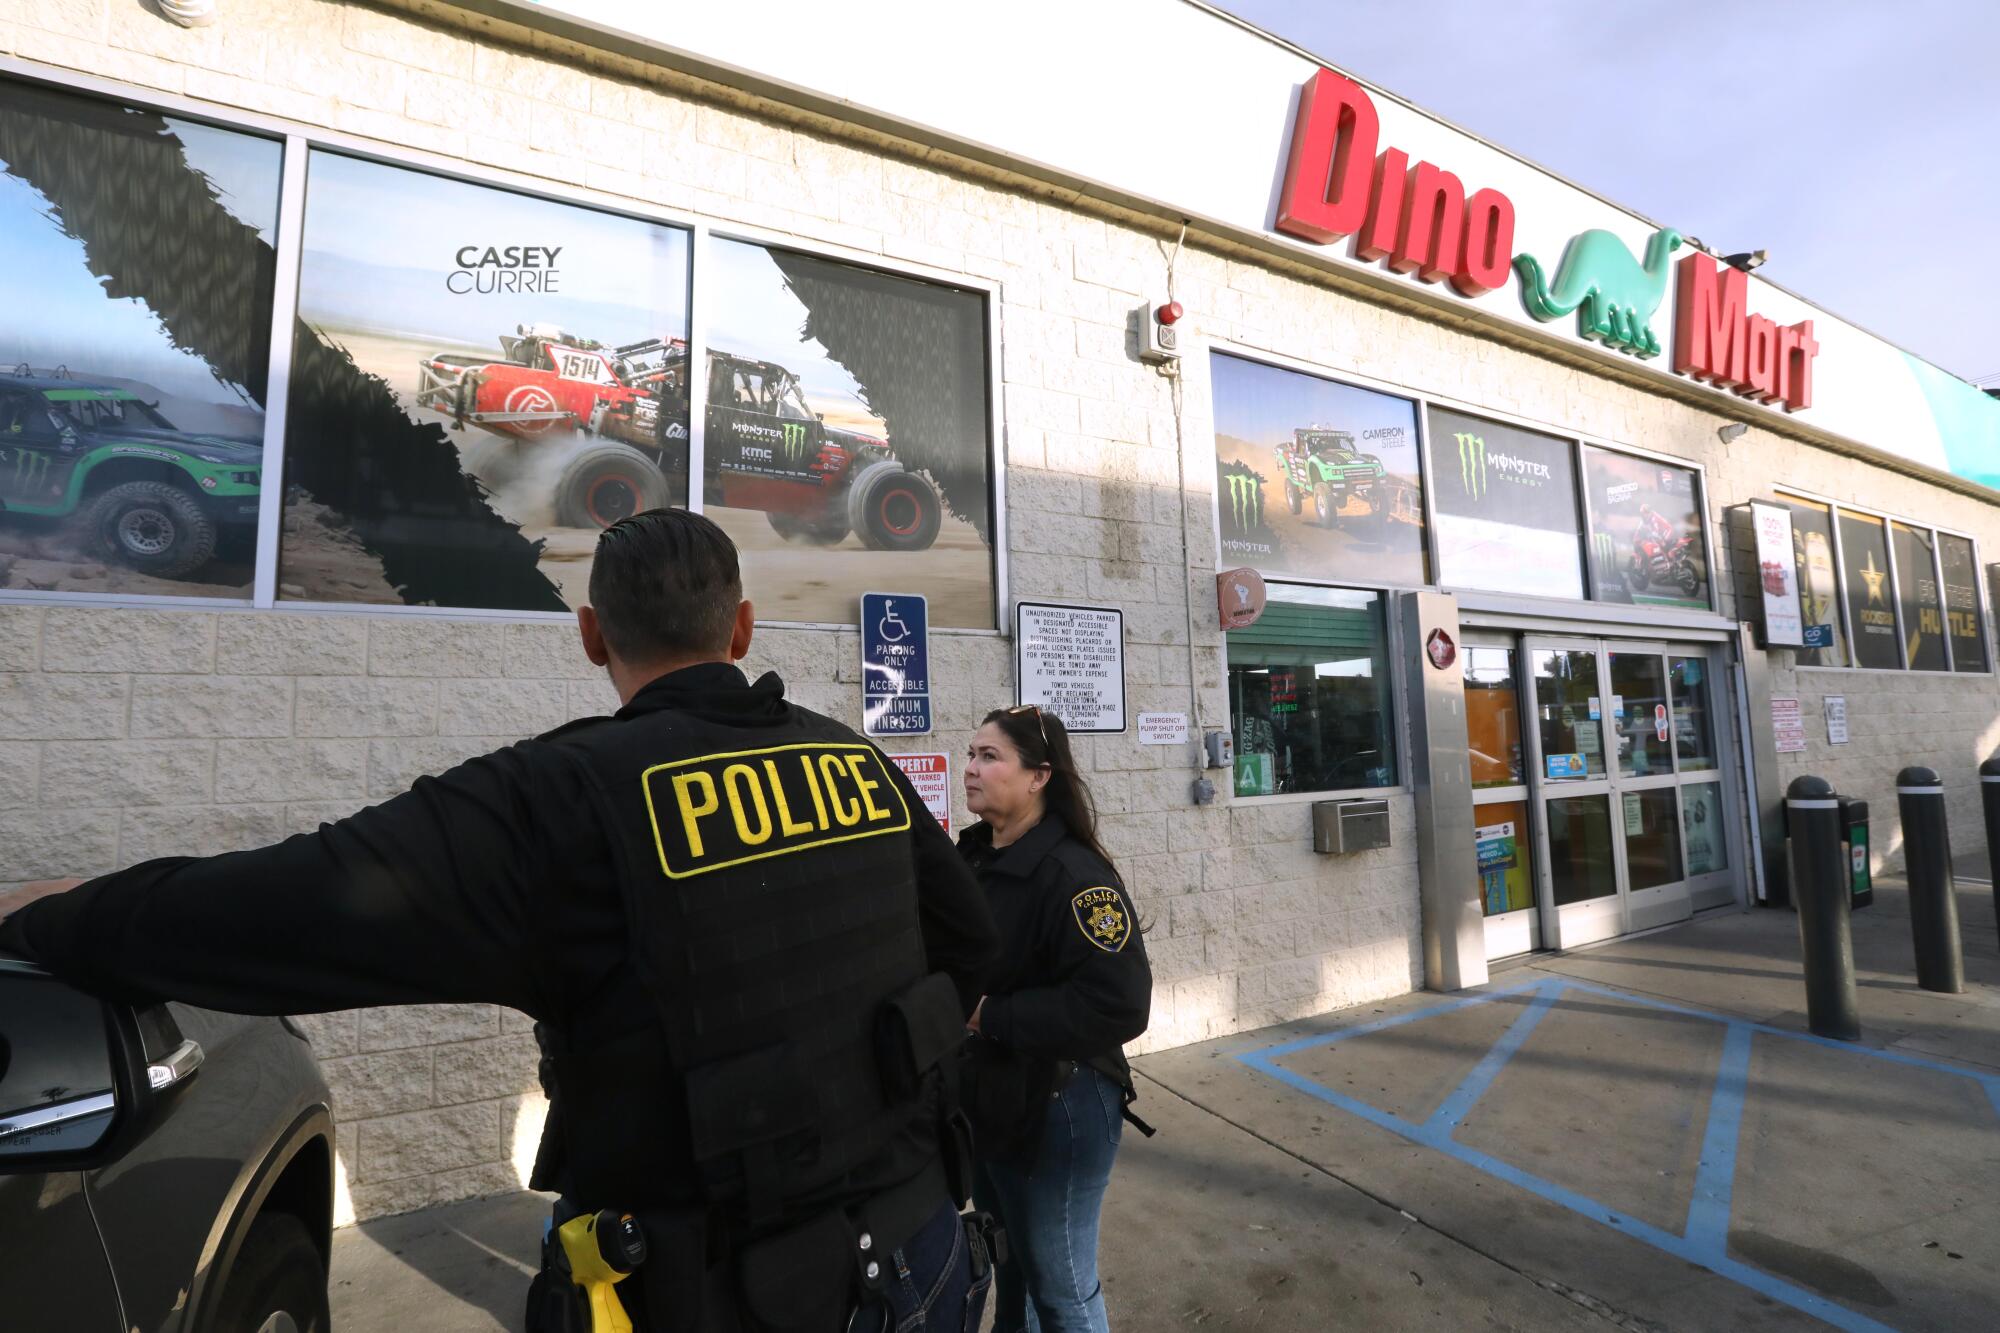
736 779
854 764
812 785
786 824
691 814
846 811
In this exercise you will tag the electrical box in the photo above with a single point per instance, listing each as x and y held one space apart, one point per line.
1160 332
1221 749
1350 826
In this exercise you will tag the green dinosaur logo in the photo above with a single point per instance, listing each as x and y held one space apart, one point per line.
1246 500
1613 295
31 469
1471 463
795 440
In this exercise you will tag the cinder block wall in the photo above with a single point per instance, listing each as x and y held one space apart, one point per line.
132 734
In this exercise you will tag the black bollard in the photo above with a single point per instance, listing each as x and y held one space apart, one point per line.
1989 797
1927 855
1819 890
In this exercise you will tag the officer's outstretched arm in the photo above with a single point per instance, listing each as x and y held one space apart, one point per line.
423 898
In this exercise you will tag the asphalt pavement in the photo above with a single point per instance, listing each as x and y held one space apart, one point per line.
1641 1135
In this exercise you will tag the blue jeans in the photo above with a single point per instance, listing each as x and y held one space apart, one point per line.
931 1287
1050 1207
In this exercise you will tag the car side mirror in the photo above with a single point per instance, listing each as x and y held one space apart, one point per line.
79 1078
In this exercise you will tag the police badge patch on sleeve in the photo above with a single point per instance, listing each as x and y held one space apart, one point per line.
1103 918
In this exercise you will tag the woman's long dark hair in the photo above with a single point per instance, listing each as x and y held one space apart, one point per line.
1039 737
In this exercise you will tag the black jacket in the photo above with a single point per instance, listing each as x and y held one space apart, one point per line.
490 883
1072 983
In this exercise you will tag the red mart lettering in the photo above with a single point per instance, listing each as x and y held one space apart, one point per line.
1715 339
1418 217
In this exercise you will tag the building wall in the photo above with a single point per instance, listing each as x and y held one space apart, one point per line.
296 718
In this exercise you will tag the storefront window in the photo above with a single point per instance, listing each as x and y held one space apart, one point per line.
1572 714
134 349
1493 717
1819 583
1702 826
481 382
1652 838
1582 862
1506 508
1645 531
847 446
1310 695
1693 713
1917 599
1961 603
1638 709
1316 479
1871 602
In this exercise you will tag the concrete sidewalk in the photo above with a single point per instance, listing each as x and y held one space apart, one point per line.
1639 1135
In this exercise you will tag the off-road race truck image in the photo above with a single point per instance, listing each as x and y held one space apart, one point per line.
143 492
616 415
1343 483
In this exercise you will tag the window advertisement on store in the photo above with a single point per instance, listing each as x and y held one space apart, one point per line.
1316 479
1819 582
477 390
1646 545
848 444
133 357
1961 603
1917 599
1703 828
1506 507
1871 602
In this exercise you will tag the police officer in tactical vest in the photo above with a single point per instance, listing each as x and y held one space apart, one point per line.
748 946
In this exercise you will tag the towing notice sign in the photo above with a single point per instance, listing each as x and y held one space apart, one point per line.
1071 661
930 774
895 664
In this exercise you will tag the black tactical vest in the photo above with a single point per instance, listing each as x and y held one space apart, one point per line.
769 884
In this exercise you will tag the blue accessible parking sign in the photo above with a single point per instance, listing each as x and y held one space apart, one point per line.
895 664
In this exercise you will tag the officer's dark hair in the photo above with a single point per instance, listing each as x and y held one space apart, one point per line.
666 584
1040 738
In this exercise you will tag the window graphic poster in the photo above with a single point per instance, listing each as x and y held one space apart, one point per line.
481 382
1819 586
1645 531
1314 478
1503 870
133 357
1917 598
1777 574
847 442
1702 828
1871 602
1961 603
1506 507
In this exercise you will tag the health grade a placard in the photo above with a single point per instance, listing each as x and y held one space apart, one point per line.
895 664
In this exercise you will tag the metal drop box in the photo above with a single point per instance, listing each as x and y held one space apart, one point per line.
1350 826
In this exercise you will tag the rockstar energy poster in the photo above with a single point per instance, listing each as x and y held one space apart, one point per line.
1645 531
133 356
1917 597
1871 601
1315 478
1819 588
1961 600
1506 507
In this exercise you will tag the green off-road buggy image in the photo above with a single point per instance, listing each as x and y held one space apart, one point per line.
1344 485
135 488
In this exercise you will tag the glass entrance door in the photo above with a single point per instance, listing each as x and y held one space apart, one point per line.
1629 788
1503 830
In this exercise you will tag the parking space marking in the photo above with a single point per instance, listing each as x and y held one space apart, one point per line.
1704 1239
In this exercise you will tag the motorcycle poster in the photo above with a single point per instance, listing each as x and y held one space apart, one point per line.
1315 478
1645 531
478 390
132 377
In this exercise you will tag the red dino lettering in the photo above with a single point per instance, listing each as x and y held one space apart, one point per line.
1335 185
1716 339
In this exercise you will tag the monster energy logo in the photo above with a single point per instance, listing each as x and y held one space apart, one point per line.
1604 552
1246 500
31 469
795 440
1472 463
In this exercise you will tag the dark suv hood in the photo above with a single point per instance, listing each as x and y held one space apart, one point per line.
226 450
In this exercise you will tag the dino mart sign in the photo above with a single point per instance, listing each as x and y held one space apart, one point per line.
1421 221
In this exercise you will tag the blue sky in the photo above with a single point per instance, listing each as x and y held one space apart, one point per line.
1856 141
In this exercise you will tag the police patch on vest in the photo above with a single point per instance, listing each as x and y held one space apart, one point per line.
1103 918
722 810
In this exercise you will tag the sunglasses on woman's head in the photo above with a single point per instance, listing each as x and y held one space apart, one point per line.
1040 725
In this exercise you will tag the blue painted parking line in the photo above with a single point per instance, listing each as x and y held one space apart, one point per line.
1704 1240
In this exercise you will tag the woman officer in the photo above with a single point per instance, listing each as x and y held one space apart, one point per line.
1046 1077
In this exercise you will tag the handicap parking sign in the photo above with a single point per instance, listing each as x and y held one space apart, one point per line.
895 664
